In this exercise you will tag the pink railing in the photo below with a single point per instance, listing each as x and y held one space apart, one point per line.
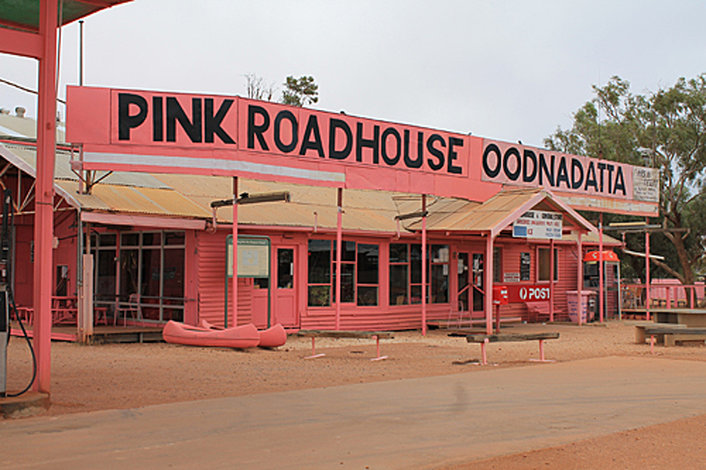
664 293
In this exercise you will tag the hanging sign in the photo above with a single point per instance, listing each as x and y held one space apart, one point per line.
538 224
528 293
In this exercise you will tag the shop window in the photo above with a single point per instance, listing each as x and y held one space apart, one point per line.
367 265
406 273
359 273
146 270
319 270
544 264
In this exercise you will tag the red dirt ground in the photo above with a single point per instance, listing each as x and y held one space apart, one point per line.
87 378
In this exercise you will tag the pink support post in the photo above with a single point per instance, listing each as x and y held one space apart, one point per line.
652 344
235 251
488 283
691 297
313 350
669 297
339 248
552 274
541 350
579 301
424 265
601 295
647 274
44 194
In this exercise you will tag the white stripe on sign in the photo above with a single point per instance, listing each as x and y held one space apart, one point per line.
211 164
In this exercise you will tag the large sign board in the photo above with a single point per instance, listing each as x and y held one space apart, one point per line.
162 132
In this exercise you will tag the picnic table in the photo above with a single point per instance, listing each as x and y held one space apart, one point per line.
313 334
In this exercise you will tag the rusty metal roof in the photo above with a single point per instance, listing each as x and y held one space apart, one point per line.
498 212
188 196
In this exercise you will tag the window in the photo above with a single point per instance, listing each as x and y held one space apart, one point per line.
497 265
544 264
150 268
406 273
359 273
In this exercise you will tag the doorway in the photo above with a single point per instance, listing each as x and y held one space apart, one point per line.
471 291
285 287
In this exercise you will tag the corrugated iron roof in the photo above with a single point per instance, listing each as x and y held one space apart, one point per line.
190 196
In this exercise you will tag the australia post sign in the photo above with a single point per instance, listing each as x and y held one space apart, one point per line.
518 293
162 132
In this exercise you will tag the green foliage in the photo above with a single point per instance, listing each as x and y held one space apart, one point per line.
665 130
300 91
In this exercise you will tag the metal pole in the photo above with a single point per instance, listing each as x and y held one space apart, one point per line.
339 249
551 280
424 265
44 194
601 295
80 52
235 251
647 274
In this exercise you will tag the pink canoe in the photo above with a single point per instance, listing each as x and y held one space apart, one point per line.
245 336
270 338
273 337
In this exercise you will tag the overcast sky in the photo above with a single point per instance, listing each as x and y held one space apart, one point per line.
510 70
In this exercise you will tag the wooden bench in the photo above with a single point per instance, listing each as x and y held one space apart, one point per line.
640 335
673 334
484 339
313 334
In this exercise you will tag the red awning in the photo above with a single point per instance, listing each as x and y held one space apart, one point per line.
608 255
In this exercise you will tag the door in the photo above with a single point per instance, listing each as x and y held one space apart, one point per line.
284 308
463 277
478 284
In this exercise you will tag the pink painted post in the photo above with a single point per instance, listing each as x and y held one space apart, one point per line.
541 350
579 300
691 297
483 352
44 194
647 274
339 248
235 251
424 264
669 297
551 280
600 268
652 344
488 283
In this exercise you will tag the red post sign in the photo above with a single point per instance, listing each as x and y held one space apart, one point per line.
520 293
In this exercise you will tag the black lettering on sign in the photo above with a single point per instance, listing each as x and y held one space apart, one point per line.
212 124
257 130
492 172
391 160
334 126
452 155
127 121
175 113
438 154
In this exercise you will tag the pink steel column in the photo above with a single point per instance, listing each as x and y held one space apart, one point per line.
44 194
600 268
647 273
339 248
579 300
488 273
235 251
551 280
424 265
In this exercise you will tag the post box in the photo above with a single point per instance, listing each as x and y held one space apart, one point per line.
500 295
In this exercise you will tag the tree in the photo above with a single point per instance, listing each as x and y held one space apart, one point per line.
666 130
300 91
257 89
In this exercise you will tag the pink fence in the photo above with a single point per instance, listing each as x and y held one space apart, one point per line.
664 293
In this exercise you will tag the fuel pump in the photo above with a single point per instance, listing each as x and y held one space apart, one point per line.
7 303
4 304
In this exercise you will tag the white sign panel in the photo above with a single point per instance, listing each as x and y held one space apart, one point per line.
538 224
253 258
645 184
